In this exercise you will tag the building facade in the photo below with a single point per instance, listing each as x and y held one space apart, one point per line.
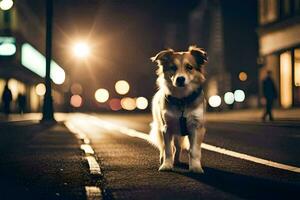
22 63
279 47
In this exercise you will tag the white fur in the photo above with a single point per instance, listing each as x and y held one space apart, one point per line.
165 132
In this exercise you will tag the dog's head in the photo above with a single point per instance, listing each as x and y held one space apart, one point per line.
182 69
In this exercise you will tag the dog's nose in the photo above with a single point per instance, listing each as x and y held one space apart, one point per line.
180 81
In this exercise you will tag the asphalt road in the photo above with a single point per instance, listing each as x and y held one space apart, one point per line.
242 160
130 164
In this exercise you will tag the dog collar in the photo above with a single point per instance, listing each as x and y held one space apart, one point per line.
181 103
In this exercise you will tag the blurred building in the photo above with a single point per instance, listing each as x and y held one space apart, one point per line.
22 60
226 29
279 47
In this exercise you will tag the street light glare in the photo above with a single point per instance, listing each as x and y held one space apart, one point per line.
214 101
101 95
122 87
239 95
141 103
76 101
81 50
40 89
6 4
229 98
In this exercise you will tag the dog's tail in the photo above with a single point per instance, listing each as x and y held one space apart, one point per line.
156 135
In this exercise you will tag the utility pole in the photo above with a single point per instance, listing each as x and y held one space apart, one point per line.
48 102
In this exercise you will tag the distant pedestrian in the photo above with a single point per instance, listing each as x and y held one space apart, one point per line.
270 94
21 103
6 99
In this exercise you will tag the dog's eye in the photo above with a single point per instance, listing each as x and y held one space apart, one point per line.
189 67
173 67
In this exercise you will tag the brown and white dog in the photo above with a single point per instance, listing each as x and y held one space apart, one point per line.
178 106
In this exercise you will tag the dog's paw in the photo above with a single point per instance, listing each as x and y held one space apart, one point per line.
165 167
196 169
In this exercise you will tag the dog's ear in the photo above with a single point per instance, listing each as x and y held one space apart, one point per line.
163 56
199 54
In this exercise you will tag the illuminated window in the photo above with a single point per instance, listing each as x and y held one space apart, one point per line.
33 60
286 79
297 68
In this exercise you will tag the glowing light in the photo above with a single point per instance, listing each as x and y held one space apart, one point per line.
239 95
141 103
81 50
297 68
6 4
229 98
214 101
122 87
7 46
36 62
243 76
76 88
101 95
40 89
115 104
286 90
76 101
128 103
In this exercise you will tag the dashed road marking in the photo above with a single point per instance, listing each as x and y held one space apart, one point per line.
145 136
87 149
93 165
93 193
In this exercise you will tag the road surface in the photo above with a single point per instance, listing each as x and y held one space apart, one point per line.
104 156
129 162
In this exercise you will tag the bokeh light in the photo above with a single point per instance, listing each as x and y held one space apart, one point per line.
40 89
115 104
6 4
229 98
76 88
214 101
239 95
243 76
122 87
76 101
128 103
141 103
101 95
81 49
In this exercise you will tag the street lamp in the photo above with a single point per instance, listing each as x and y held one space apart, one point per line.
81 49
6 4
48 112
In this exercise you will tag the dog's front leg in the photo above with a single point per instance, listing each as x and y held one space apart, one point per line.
168 161
196 137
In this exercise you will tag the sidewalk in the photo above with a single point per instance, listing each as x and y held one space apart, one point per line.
40 161
281 116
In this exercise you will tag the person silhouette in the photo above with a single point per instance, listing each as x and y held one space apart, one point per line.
270 94
21 103
6 99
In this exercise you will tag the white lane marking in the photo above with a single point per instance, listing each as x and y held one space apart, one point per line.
93 193
94 166
138 134
79 134
87 149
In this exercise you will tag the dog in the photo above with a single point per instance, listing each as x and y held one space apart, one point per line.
178 107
